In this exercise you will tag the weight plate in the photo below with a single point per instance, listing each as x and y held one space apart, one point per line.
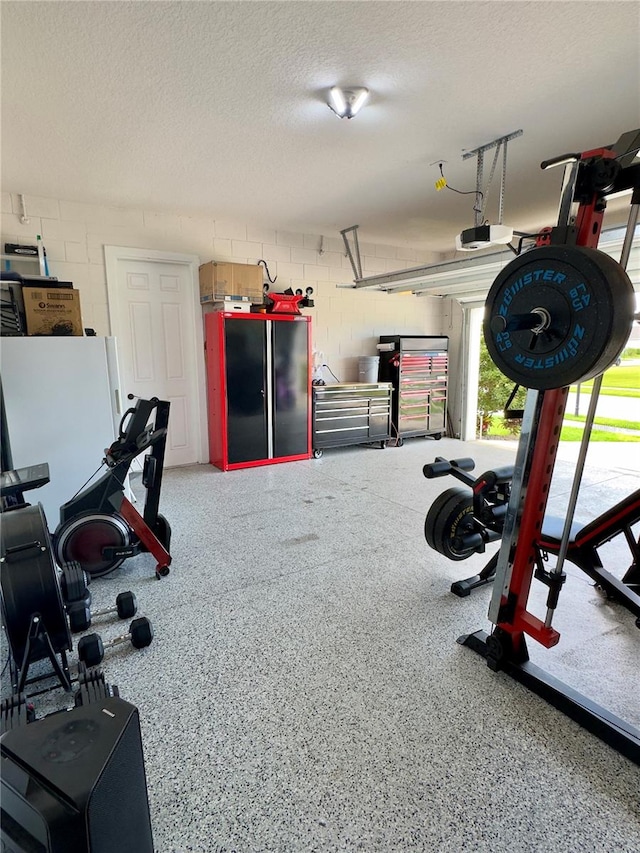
432 522
450 516
583 300
434 513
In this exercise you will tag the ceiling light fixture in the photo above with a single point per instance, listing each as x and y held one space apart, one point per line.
345 103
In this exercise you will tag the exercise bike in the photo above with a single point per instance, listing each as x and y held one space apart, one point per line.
460 524
99 527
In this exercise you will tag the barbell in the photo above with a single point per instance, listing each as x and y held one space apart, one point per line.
558 315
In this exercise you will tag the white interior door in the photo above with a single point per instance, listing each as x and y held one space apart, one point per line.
152 308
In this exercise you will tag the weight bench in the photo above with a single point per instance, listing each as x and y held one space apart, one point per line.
584 542
459 525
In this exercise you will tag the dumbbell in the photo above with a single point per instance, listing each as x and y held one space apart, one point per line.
91 649
80 614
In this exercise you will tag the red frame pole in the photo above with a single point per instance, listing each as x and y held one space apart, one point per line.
514 618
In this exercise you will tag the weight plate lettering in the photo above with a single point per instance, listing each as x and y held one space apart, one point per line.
558 315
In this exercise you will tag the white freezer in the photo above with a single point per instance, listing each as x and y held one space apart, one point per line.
63 406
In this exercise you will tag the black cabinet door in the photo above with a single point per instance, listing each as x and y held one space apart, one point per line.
290 388
245 349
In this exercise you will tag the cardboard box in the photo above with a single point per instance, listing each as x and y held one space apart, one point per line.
219 280
52 311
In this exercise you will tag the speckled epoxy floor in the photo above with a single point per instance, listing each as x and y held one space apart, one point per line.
305 691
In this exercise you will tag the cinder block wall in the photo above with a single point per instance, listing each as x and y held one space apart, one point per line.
346 322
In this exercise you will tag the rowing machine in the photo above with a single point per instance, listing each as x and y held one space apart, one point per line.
32 608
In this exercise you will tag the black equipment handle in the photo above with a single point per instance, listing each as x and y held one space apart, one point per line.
121 429
436 469
146 407
560 160
509 413
456 467
135 435
16 550
465 464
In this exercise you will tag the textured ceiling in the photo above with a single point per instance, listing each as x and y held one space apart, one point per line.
218 108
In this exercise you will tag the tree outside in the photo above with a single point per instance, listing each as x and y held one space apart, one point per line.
494 390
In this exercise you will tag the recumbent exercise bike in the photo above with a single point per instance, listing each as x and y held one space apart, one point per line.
459 524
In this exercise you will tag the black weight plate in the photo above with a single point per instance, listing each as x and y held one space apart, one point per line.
434 512
450 515
590 302
455 519
432 521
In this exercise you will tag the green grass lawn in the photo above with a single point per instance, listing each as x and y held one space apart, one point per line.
621 380
574 433
570 433
605 422
618 381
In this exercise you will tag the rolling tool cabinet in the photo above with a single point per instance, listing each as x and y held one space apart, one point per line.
354 413
418 368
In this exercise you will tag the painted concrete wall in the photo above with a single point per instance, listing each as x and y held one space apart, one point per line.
346 322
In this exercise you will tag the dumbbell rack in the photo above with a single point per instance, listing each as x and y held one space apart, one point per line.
589 178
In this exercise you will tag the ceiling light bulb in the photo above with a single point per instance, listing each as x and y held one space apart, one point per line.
337 101
359 100
347 102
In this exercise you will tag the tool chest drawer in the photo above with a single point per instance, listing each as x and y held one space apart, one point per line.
346 414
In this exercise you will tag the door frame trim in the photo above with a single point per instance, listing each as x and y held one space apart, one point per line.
114 254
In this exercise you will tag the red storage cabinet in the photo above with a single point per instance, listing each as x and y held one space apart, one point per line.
259 388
